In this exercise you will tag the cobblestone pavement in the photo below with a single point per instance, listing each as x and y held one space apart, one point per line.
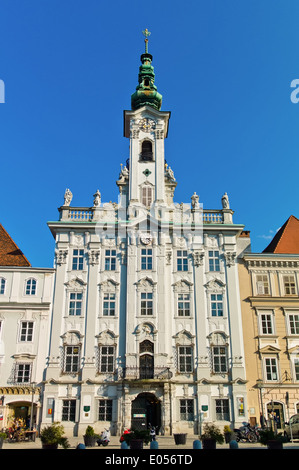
164 442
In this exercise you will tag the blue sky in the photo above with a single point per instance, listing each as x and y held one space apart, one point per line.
224 68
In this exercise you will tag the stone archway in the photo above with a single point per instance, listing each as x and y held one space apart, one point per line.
146 411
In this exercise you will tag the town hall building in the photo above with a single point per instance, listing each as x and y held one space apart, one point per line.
146 323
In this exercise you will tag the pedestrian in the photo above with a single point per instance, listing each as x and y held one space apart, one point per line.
153 433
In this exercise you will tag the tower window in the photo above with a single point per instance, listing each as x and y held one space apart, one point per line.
147 196
146 82
146 151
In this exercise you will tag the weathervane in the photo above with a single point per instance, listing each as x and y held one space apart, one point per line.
146 34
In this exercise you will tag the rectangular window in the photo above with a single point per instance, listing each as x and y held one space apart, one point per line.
296 368
294 324
185 359
182 260
78 258
109 305
187 410
219 359
68 410
146 258
72 359
23 373
271 369
262 285
146 303
26 333
107 358
184 305
289 285
110 260
105 410
214 263
75 307
266 323
222 410
217 305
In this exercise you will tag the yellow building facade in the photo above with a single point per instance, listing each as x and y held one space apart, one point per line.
269 288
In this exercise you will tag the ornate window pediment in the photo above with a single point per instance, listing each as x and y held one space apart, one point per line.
75 284
215 285
184 337
146 284
182 286
107 337
72 337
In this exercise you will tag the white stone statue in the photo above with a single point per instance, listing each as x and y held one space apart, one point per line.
225 201
68 196
97 199
194 201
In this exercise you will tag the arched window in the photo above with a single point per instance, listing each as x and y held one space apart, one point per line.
147 151
2 285
146 359
30 287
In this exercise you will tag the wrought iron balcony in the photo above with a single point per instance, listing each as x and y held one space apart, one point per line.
147 373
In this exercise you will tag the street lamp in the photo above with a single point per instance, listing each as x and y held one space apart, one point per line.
259 384
31 414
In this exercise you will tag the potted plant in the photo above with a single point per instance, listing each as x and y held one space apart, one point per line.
90 437
3 436
135 439
52 436
227 434
211 435
272 440
180 438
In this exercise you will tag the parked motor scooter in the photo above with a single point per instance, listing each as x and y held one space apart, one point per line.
105 438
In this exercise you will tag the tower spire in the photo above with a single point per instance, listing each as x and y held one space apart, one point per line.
146 34
146 91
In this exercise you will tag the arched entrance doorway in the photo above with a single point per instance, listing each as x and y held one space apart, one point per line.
21 410
146 411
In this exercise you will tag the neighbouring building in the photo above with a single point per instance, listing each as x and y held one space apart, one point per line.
269 288
147 324
25 309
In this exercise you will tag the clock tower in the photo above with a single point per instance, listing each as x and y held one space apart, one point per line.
150 181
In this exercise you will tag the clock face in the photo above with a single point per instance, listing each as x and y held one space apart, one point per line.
146 238
146 125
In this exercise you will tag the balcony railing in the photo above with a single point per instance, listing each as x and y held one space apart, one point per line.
87 214
147 373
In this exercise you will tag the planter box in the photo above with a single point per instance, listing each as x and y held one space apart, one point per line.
180 438
274 445
136 444
209 443
90 441
49 446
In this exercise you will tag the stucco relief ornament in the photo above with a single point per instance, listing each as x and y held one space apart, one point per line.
61 256
225 201
97 199
68 196
147 125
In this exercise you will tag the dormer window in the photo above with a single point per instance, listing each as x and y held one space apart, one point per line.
146 151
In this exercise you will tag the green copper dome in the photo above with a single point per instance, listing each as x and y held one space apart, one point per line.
146 91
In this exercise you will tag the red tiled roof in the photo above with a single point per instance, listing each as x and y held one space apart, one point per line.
10 253
287 238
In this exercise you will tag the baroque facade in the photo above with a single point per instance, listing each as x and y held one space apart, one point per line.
146 322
